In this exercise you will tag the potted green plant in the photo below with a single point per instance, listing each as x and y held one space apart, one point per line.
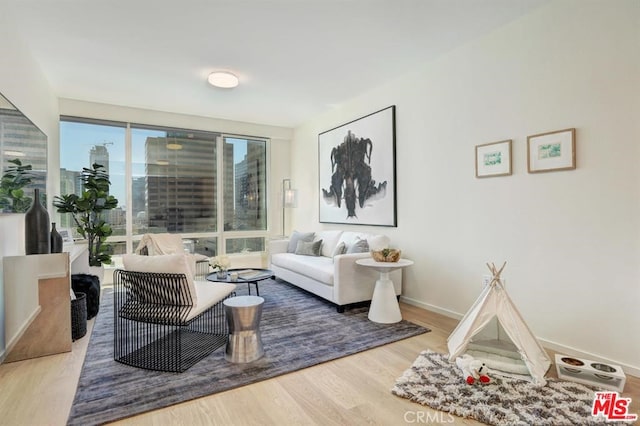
12 196
87 210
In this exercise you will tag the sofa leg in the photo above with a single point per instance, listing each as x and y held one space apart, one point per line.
340 309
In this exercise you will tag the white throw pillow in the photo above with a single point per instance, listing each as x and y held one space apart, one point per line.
164 263
329 241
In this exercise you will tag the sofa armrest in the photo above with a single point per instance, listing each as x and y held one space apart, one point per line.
278 246
350 258
346 263
346 271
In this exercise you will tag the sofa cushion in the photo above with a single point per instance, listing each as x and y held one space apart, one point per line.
378 242
299 236
329 241
375 241
309 249
319 268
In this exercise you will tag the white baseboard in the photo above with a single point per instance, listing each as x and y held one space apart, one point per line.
563 349
21 330
431 308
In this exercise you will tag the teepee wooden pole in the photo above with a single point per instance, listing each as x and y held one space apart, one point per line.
496 272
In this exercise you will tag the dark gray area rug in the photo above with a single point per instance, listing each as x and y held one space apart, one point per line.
298 330
435 382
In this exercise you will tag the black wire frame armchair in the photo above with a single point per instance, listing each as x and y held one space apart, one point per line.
152 328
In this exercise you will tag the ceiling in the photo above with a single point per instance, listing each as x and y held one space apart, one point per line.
295 58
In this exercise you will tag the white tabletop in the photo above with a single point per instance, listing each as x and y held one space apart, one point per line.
384 266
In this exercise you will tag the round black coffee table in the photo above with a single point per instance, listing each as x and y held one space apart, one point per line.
245 275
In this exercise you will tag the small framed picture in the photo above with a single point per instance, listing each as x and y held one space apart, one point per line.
67 236
493 159
551 151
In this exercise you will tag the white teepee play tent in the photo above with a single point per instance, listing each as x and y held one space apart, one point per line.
494 302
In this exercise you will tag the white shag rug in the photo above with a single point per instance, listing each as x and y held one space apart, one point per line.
435 382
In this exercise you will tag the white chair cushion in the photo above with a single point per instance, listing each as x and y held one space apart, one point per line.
166 263
158 244
209 294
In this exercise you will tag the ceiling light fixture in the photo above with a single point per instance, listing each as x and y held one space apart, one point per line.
223 79
174 146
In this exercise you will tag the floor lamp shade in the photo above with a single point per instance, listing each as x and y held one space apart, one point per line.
289 200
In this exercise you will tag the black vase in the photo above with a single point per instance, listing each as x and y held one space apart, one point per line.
36 228
56 240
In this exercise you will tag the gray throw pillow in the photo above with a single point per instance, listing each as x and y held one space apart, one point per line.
360 246
340 249
309 248
299 236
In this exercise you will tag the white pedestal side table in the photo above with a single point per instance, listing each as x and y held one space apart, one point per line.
384 305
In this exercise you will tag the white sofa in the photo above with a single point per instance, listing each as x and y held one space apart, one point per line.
334 277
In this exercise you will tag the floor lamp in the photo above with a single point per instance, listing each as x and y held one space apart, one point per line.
288 201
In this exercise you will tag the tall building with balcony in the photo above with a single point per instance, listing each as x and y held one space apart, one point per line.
100 154
181 183
70 183
249 191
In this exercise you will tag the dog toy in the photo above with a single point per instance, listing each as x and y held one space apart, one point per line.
472 369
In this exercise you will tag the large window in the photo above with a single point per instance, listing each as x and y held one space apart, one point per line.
84 144
173 180
245 198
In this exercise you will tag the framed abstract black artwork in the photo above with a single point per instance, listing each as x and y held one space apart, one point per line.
358 171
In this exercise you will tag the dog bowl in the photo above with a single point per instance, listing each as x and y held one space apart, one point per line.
603 367
572 361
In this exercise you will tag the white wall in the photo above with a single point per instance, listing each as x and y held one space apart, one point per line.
23 83
571 238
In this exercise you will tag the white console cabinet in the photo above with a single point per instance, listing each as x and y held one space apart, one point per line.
37 305
35 294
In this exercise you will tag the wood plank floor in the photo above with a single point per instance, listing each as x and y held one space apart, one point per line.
349 391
